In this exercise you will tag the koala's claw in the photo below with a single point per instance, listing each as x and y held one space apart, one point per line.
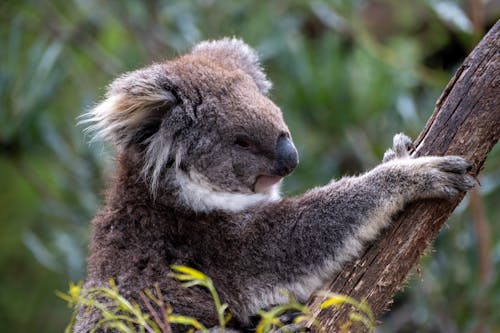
401 147
455 184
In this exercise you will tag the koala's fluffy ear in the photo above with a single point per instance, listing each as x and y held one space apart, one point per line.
134 107
235 54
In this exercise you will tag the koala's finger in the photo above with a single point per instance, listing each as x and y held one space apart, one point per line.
389 155
402 144
456 183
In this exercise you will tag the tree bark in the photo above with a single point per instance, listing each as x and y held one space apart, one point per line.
466 122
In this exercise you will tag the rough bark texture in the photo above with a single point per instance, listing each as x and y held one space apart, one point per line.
466 122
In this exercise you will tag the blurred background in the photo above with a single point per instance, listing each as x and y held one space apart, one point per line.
347 74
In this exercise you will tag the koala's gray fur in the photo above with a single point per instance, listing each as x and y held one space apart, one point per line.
201 151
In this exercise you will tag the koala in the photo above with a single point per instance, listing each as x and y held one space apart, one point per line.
201 153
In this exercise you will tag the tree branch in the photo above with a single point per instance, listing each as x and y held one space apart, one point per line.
466 122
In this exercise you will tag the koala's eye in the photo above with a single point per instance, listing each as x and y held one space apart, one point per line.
245 143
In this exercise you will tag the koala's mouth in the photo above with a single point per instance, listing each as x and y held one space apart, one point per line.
264 183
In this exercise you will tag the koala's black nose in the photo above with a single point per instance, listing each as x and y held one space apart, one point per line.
287 156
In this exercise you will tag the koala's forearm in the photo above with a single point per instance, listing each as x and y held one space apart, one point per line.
325 217
340 216
350 211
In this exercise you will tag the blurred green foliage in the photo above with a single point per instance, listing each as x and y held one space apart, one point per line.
347 74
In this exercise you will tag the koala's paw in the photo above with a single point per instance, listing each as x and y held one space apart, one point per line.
401 147
442 177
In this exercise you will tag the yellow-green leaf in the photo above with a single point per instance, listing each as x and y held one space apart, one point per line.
334 300
194 273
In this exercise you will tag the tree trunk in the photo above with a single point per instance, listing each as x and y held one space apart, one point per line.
466 122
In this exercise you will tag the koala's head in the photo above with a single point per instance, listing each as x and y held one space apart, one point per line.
205 116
